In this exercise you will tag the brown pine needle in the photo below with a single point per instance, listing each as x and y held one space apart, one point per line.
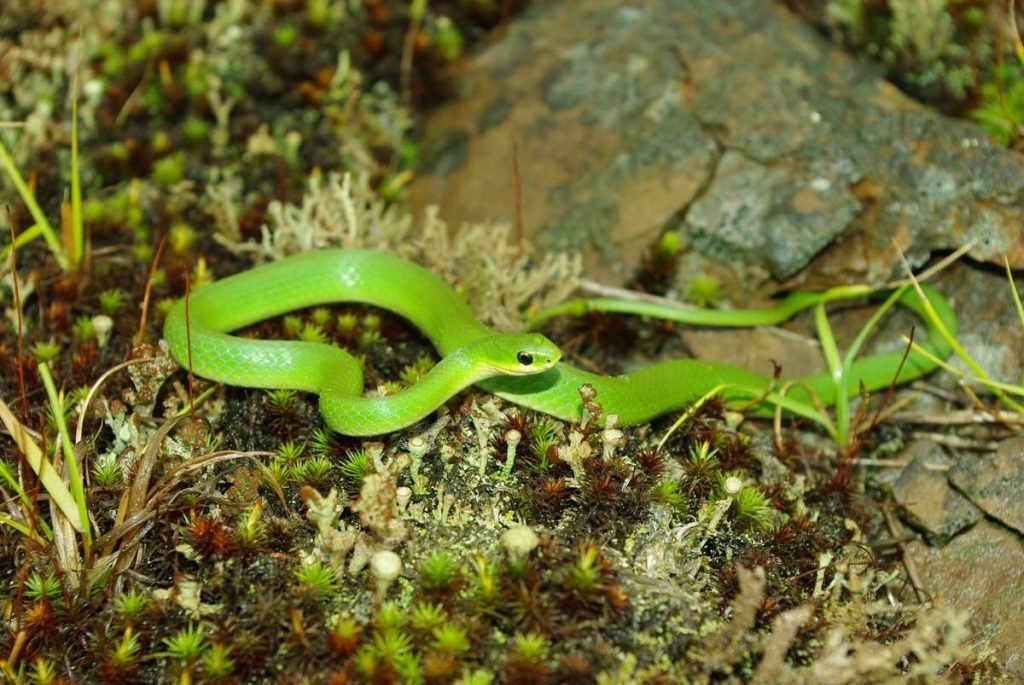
141 335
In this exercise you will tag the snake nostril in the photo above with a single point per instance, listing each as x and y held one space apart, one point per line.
524 358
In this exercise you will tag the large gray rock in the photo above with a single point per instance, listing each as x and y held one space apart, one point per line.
995 482
730 122
926 500
979 572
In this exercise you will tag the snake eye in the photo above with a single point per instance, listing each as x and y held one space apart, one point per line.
524 358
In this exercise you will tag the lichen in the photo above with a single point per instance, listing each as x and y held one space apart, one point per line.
499 278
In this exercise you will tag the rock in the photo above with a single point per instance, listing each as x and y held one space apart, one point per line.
757 349
979 572
995 482
767 148
607 149
989 328
926 500
776 217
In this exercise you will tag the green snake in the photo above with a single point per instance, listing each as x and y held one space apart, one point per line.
522 368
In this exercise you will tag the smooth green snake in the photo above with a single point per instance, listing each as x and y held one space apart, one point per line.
522 368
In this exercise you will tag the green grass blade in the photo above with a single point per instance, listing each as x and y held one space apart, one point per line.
8 476
48 476
74 475
950 340
685 416
872 322
77 228
22 239
829 349
995 386
1013 291
837 371
21 528
958 349
49 235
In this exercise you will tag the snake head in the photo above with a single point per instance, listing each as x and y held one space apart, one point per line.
523 355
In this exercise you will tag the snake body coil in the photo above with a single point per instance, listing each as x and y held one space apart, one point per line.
472 353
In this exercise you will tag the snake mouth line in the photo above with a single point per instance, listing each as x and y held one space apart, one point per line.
525 385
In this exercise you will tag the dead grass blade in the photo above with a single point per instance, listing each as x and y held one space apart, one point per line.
54 485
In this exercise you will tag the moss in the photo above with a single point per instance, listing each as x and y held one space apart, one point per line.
285 35
945 53
195 130
169 170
